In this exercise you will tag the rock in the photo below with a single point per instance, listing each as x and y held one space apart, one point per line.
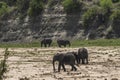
11 36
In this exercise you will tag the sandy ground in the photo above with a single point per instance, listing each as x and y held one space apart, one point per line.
36 64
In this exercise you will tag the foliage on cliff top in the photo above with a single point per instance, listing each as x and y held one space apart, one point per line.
72 6
36 7
3 8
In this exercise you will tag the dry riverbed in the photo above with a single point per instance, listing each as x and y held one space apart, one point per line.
36 64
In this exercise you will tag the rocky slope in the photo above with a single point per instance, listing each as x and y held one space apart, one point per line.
52 23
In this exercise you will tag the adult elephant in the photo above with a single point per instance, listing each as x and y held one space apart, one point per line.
64 58
64 43
46 42
82 55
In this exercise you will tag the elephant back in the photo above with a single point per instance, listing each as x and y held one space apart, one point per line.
82 53
69 58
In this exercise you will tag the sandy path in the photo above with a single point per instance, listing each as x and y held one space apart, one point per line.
36 64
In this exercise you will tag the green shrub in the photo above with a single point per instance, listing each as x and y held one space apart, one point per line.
51 3
9 2
3 8
35 8
90 17
71 6
22 5
116 21
115 1
106 5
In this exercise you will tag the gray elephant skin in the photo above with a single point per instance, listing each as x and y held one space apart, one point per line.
64 58
46 42
64 43
82 56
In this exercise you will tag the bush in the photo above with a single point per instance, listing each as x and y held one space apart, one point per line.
116 21
106 5
71 6
115 1
3 8
51 3
22 5
35 8
116 16
9 2
90 17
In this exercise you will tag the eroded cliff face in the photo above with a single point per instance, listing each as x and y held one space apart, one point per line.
52 23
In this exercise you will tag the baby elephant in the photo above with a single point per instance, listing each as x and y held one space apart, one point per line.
63 59
82 55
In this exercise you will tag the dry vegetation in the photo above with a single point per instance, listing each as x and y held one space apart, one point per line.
36 64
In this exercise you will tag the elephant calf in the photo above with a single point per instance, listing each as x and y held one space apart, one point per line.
82 55
63 59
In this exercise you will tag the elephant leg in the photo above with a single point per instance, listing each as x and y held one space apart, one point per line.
73 67
83 61
59 45
65 45
59 67
49 45
63 67
45 45
41 45
79 61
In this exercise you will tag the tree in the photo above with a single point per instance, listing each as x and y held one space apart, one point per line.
116 21
106 5
22 5
36 7
9 2
91 17
3 8
71 6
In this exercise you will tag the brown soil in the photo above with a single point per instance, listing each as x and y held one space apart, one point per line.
36 64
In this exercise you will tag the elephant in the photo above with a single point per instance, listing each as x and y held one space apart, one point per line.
76 56
64 43
64 58
82 55
46 42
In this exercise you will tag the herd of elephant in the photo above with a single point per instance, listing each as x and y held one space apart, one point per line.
71 58
47 42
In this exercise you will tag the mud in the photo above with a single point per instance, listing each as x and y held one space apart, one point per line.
36 64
